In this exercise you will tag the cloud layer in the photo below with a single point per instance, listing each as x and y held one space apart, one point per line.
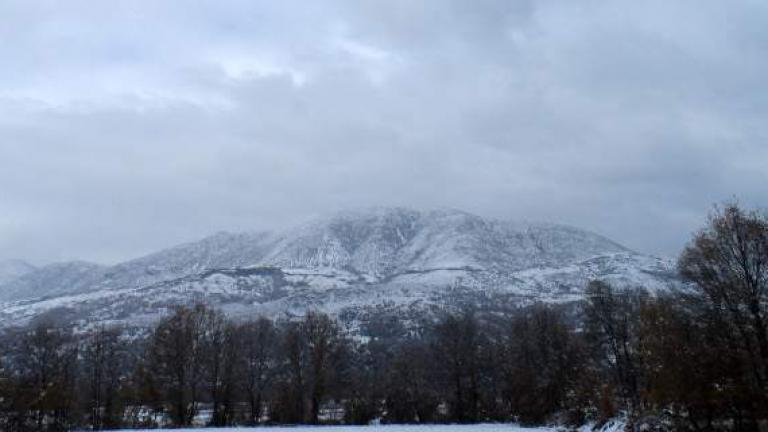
130 126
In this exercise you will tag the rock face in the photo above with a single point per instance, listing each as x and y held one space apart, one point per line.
354 264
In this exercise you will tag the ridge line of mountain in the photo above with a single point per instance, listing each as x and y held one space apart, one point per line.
351 261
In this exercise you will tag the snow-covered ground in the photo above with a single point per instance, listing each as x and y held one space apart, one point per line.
387 428
611 427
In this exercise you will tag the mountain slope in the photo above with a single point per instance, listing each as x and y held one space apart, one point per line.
52 280
348 264
12 269
380 244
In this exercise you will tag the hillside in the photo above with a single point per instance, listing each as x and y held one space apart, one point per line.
351 264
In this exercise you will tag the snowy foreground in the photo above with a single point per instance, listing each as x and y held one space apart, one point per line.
384 428
404 428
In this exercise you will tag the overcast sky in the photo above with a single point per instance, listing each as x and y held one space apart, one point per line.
130 126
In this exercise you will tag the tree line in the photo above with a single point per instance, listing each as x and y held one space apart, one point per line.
693 358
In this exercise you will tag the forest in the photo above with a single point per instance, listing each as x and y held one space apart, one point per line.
693 358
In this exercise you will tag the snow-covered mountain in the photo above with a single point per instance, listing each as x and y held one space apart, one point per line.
12 269
352 264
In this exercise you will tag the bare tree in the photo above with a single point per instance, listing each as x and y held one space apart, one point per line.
259 348
727 264
612 324
288 406
543 364
411 393
46 364
220 351
322 342
104 358
177 360
456 345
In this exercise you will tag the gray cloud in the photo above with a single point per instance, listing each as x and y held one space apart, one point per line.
130 126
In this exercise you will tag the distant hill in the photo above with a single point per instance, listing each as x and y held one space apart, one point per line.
353 264
13 269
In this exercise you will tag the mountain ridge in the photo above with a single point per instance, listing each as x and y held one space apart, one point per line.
352 259
14 268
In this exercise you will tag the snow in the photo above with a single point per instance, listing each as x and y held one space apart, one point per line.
353 261
13 269
387 428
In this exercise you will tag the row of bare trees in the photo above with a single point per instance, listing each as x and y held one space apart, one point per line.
195 365
696 357
688 359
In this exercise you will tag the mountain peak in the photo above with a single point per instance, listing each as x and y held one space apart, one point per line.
350 259
379 242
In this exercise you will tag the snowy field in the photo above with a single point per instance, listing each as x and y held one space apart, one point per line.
398 428
381 428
